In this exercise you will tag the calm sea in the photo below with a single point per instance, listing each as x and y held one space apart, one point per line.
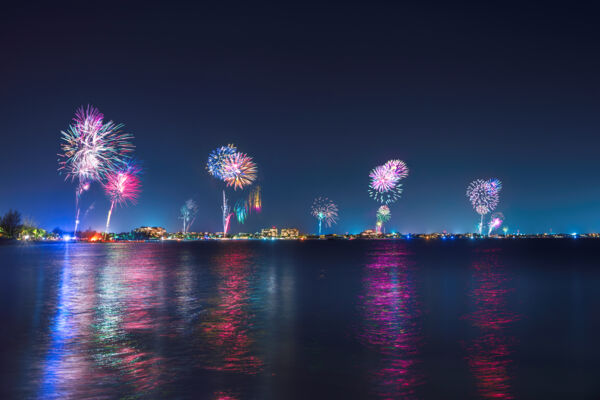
301 320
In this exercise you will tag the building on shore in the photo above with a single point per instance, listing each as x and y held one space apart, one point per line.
370 233
269 232
150 232
289 233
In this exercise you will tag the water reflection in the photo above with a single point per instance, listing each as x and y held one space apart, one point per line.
129 326
228 328
390 322
106 325
65 366
489 354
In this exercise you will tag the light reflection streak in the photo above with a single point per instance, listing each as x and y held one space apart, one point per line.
390 322
489 354
186 292
144 320
229 326
106 334
66 366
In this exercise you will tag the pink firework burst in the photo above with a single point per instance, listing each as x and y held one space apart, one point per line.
398 167
88 120
383 178
124 185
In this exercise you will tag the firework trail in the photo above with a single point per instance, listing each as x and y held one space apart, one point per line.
239 170
324 210
90 208
255 200
193 208
121 187
383 215
188 214
385 186
184 216
496 221
91 149
484 196
81 187
241 211
226 215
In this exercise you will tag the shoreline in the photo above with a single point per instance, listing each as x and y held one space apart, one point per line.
317 239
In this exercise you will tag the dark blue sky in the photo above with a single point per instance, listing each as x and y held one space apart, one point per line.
319 95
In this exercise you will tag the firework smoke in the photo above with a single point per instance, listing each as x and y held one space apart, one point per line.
188 214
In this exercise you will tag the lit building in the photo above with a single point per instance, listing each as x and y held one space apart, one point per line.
369 233
269 232
152 232
290 233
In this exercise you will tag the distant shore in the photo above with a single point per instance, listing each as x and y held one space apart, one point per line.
411 237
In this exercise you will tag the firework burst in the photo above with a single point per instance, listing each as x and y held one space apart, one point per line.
385 186
235 169
215 161
484 196
88 120
496 221
122 187
239 170
398 167
384 214
495 185
325 210
383 178
91 149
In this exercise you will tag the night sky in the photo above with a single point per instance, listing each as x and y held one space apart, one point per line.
318 95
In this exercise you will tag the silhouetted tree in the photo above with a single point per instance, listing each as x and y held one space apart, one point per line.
11 223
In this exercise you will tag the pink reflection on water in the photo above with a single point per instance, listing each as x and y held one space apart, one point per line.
489 353
127 322
144 315
390 327
228 326
223 395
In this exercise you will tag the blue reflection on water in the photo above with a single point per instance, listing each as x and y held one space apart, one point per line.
61 332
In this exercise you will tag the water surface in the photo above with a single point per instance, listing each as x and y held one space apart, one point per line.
300 320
